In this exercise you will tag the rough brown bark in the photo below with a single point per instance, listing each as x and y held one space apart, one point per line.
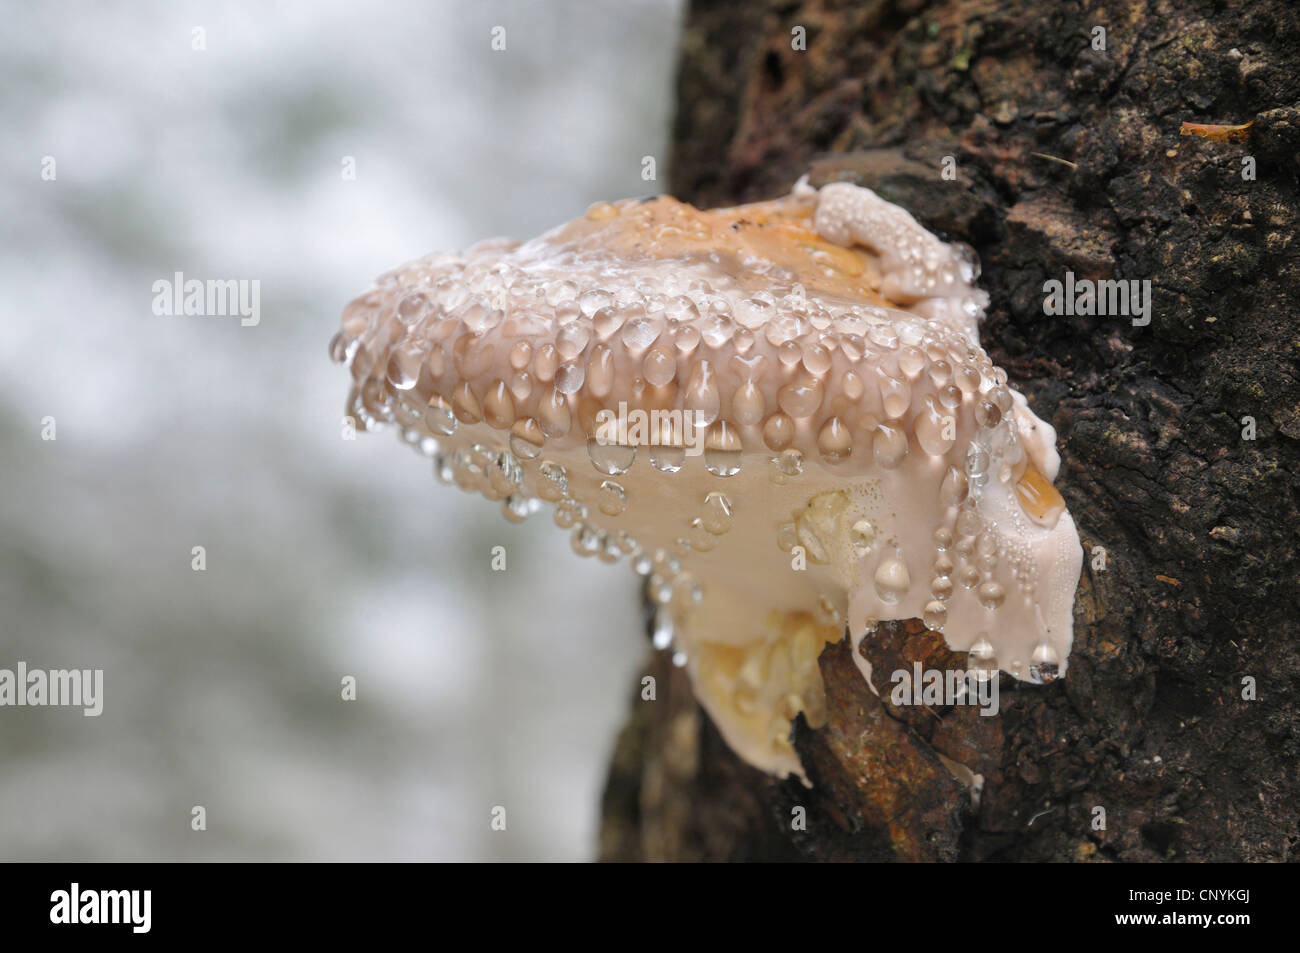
1070 159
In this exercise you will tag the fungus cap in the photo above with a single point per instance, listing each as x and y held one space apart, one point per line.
780 413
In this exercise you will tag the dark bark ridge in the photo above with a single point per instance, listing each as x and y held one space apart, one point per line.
1068 158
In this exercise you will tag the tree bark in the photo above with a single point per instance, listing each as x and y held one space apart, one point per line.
1178 439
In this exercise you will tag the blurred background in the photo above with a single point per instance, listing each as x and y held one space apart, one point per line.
325 558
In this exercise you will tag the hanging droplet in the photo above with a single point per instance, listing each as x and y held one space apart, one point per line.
586 541
1045 664
889 445
568 514
952 492
987 413
667 459
438 416
722 449
891 578
554 483
701 394
610 459
717 517
526 439
863 536
778 431
983 663
834 442
991 594
935 432
518 507
662 631
747 406
935 615
788 462
613 498
895 393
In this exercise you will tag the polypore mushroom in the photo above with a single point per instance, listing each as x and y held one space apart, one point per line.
780 412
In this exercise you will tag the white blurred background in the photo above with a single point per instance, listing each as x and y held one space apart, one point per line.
325 558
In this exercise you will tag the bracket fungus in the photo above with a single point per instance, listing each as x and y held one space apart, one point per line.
780 413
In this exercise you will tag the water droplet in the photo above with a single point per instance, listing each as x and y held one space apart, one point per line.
498 406
895 393
883 335
610 459
940 373
404 367
569 514
862 536
613 498
667 459
465 405
977 464
701 394
1045 664
788 463
889 445
412 309
518 507
554 483
983 663
941 587
954 488
834 442
572 340
911 361
722 450
554 415
968 576
526 439
892 578
816 359
438 416
778 431
717 517
642 331
935 432
521 352
987 413
662 630
968 520
593 301
659 366
570 377
935 615
991 595
585 540
747 405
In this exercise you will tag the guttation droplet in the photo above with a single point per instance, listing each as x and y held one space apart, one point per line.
613 498
611 459
892 578
862 535
717 517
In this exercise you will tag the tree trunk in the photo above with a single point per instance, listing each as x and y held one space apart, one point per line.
1178 439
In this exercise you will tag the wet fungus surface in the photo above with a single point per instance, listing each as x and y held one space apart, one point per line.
779 413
